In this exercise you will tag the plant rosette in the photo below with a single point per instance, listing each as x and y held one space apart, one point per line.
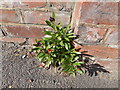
56 48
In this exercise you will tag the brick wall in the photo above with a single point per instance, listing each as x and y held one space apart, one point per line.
96 23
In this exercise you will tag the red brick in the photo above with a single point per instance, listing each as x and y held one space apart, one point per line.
99 51
38 17
34 4
24 4
100 13
25 31
112 39
12 39
90 34
9 16
32 40
7 4
62 6
111 66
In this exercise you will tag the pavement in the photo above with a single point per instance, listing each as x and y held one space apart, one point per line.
20 70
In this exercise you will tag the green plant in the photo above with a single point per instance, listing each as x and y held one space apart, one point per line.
57 48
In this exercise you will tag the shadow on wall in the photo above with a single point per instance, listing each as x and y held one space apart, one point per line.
91 67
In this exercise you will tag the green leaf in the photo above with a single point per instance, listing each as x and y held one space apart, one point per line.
36 40
53 15
76 58
66 46
47 32
68 26
71 36
59 38
61 43
73 74
81 72
40 55
81 62
67 39
76 52
36 48
62 60
76 63
48 23
41 59
59 24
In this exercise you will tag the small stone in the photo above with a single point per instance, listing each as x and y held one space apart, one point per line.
42 64
92 58
10 87
16 54
18 50
24 56
31 80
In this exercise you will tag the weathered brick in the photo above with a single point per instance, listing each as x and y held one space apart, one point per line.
38 17
32 40
113 38
99 51
24 31
111 66
23 4
62 6
90 34
12 39
43 3
9 16
99 13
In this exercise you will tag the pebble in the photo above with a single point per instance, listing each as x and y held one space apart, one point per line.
24 56
16 54
10 87
42 64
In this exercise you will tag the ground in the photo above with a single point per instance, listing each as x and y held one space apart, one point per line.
20 70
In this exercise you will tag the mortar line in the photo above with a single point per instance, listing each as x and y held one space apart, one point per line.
23 24
44 25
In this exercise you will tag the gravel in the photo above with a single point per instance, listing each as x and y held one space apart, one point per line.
20 70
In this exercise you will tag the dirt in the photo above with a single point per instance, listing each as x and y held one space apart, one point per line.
21 70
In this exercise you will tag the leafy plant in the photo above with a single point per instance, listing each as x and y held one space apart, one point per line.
57 48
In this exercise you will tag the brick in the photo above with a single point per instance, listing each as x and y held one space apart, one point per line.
34 4
112 39
38 17
99 51
32 40
24 31
90 34
111 66
7 4
9 16
23 4
62 6
12 39
99 13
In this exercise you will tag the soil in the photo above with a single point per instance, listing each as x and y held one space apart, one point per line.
21 70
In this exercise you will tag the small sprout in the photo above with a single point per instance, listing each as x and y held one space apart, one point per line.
24 56
55 49
10 87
